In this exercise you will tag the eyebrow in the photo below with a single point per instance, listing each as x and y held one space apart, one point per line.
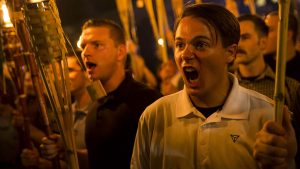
245 34
90 42
195 38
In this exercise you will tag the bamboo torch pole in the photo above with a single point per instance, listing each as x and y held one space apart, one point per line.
27 52
283 17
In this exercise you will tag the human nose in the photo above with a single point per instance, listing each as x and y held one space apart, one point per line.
187 53
86 51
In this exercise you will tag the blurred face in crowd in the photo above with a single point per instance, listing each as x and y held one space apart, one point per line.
77 77
272 23
167 70
251 45
102 56
201 57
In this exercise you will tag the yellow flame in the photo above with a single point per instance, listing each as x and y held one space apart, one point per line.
6 18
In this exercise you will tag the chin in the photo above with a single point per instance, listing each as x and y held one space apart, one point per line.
194 91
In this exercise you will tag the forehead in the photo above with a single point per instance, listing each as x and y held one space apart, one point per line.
247 26
95 33
190 27
72 62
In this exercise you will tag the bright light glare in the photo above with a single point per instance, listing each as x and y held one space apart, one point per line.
78 43
7 22
140 4
261 3
160 42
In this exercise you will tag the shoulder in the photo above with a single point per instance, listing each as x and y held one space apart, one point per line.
163 106
292 83
242 95
140 89
256 97
259 107
139 95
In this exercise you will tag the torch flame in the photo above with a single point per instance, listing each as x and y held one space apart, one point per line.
6 18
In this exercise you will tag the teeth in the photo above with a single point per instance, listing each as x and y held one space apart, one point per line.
189 69
191 73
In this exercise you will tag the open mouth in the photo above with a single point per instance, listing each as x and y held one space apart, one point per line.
90 65
190 73
241 51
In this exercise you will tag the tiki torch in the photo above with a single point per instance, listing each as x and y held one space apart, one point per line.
12 55
46 35
20 48
283 18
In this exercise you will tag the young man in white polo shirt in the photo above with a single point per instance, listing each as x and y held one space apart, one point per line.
213 122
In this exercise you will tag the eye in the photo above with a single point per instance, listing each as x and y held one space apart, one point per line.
96 44
244 37
200 45
179 45
82 46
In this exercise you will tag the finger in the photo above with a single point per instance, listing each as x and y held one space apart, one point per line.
269 150
287 120
273 128
54 137
46 140
49 155
268 138
29 157
281 166
49 152
49 148
290 133
267 159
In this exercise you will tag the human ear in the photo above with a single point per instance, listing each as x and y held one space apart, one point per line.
230 53
122 52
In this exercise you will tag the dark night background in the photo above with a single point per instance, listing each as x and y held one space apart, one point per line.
74 13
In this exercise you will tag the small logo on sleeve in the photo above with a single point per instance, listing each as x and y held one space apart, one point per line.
234 137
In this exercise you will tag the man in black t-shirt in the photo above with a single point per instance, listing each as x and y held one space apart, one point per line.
293 56
112 121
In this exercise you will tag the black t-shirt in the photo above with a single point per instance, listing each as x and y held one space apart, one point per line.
292 66
207 111
112 123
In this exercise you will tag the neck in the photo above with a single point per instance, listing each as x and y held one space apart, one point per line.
216 95
115 80
252 69
82 98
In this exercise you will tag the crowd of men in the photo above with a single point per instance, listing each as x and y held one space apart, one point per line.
216 110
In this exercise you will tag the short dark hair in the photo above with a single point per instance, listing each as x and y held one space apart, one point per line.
259 24
78 57
292 24
219 18
116 31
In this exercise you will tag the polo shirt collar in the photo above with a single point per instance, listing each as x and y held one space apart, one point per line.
236 106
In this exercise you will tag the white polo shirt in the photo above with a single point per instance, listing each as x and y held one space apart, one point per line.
173 134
